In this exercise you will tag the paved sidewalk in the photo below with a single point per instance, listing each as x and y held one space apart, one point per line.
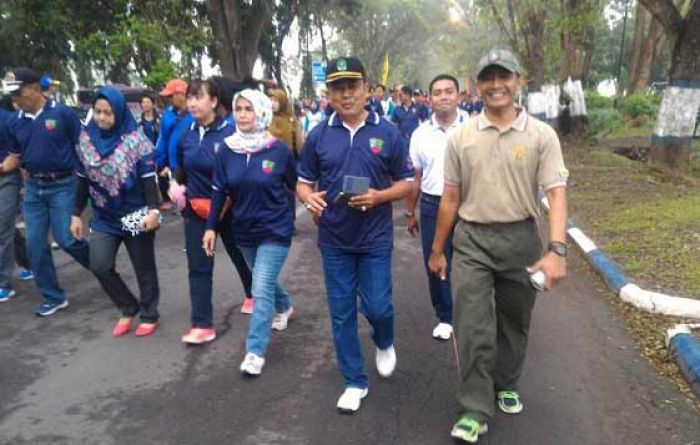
65 379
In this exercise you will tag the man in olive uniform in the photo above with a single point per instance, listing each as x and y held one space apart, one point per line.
494 166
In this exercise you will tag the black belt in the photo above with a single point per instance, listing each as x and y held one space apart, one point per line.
429 197
52 176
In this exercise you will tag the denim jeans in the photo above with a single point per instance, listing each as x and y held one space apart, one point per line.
9 207
348 274
269 296
49 205
440 290
141 250
201 267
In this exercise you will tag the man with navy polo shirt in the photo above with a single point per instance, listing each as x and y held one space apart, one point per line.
43 138
408 116
355 234
374 103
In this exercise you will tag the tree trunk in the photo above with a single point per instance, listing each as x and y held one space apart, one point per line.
237 29
636 52
675 123
646 62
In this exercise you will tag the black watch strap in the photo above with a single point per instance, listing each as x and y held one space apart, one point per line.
558 248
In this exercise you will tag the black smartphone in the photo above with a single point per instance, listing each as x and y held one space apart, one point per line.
352 186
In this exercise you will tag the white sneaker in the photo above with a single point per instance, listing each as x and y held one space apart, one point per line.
442 331
350 401
252 364
386 361
281 319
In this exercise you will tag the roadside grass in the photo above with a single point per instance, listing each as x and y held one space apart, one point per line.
648 221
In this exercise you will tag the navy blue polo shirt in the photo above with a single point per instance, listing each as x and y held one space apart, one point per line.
197 148
374 106
46 142
258 184
408 119
116 184
376 150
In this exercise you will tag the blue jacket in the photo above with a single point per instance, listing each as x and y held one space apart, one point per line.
172 127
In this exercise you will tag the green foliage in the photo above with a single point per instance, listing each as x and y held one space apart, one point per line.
602 121
637 105
162 71
596 101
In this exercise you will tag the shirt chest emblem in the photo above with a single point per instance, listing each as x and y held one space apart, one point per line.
519 152
217 145
50 124
268 166
376 145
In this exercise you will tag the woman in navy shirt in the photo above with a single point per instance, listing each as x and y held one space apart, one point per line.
118 173
256 171
196 153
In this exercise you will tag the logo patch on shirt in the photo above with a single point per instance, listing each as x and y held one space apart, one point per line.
376 145
216 147
268 166
519 152
50 124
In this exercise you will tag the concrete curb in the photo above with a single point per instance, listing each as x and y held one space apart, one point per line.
678 339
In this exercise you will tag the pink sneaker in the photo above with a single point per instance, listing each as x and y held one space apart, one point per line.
247 307
198 336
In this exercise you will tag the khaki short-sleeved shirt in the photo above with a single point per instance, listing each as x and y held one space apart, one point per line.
499 172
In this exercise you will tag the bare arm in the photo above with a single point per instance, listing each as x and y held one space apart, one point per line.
447 214
553 265
10 164
412 198
411 202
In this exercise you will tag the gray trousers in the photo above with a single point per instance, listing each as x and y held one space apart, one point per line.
141 250
493 304
9 208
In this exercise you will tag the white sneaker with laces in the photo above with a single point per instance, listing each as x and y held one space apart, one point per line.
442 331
281 319
252 364
386 361
350 400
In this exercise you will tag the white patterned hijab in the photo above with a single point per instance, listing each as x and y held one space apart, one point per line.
259 138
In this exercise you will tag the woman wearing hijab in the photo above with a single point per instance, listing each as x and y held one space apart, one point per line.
118 173
256 170
197 150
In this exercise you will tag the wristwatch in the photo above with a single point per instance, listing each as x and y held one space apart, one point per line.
558 248
409 214
155 211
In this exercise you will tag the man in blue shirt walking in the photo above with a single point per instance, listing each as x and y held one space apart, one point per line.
355 231
175 121
43 138
409 115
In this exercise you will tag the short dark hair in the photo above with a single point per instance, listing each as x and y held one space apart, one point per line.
149 96
407 90
379 85
440 77
212 88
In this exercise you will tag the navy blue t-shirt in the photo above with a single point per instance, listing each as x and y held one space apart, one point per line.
258 184
408 119
377 151
197 149
116 186
46 143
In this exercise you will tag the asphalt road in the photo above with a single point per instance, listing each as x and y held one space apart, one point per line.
66 380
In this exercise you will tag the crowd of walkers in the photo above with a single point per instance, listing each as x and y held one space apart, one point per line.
234 161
